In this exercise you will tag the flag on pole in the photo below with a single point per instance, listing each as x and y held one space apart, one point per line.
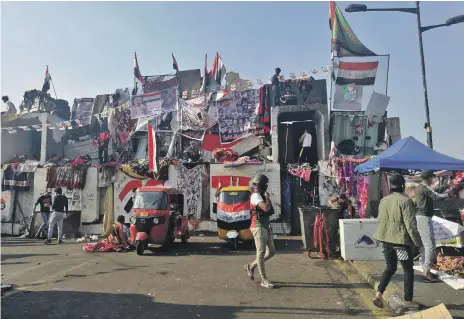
46 85
206 78
218 72
344 41
175 66
137 73
359 73
152 158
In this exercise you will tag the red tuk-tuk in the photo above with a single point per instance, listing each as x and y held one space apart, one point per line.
157 217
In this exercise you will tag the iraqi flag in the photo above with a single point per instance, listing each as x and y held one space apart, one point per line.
137 74
359 73
152 156
206 77
175 66
218 72
46 85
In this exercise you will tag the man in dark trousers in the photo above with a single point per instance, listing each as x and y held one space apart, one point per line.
276 87
45 202
306 141
60 211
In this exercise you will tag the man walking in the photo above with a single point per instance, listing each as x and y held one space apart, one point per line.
306 140
424 201
60 210
45 201
261 210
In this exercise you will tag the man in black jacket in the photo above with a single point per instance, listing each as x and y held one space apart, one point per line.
60 211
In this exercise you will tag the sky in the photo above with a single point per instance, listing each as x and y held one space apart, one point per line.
89 47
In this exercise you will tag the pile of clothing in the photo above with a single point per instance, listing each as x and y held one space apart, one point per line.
452 265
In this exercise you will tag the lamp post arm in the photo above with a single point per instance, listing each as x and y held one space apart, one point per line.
407 10
430 27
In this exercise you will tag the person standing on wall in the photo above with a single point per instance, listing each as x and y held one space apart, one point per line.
424 201
397 231
306 141
276 87
45 201
60 211
261 210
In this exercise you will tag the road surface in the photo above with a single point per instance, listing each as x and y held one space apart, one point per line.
200 280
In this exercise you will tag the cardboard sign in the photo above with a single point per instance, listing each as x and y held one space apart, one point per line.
437 312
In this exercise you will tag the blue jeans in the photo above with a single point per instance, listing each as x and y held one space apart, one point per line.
425 228
44 220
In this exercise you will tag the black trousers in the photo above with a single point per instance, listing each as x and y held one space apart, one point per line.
391 259
103 152
305 155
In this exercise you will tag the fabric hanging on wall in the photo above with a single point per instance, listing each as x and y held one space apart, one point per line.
328 186
108 217
82 110
190 182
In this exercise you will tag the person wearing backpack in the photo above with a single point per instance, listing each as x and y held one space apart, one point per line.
261 210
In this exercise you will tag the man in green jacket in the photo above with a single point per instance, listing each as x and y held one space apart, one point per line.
397 231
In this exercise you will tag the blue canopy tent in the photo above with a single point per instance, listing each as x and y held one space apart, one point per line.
409 153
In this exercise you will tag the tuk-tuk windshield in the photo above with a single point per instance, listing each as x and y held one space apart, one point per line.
151 200
234 197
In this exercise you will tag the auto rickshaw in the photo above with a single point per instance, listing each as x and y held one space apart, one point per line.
157 217
234 215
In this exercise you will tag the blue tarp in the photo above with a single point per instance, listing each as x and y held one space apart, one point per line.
409 153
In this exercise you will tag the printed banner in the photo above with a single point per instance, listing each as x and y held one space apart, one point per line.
154 103
82 110
238 115
194 134
348 97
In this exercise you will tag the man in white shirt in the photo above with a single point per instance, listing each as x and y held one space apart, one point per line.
306 140
8 108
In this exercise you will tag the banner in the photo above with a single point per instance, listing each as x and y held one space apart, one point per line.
82 110
154 103
237 115
194 134
348 97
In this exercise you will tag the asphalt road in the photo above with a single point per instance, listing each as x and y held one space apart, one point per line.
200 280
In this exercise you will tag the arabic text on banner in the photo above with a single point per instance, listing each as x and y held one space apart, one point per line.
238 115
153 103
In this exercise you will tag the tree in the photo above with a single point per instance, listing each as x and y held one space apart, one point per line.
234 78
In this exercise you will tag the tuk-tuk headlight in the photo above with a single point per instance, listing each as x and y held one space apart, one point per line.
155 221
133 220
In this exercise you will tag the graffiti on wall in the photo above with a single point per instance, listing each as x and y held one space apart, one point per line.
190 182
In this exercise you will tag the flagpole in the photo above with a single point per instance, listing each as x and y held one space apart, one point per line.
53 85
388 70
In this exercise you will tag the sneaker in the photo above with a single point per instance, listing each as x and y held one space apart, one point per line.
266 284
47 241
250 272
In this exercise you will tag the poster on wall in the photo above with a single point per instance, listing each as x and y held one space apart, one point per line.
82 110
194 134
328 186
153 103
6 206
238 115
190 181
74 198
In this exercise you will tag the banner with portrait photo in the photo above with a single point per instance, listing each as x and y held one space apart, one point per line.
82 110
154 103
238 115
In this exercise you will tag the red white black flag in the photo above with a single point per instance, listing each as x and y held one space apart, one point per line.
359 73
152 158
206 78
137 74
218 72
46 85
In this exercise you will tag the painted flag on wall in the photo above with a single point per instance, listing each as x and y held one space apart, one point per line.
152 158
359 73
46 85
344 41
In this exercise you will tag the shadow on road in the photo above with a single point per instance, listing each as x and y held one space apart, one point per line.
78 305
283 246
15 256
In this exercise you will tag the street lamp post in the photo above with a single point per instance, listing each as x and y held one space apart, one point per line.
420 29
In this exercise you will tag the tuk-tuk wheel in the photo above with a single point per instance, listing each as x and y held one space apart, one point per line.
185 238
233 243
140 247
